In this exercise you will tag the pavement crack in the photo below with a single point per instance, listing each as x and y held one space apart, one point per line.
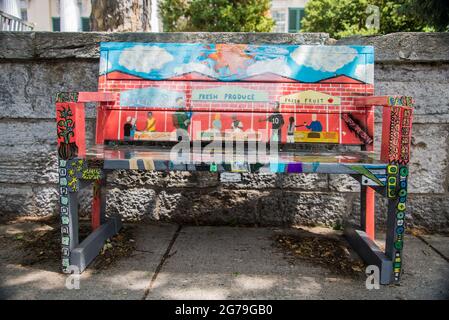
433 248
161 263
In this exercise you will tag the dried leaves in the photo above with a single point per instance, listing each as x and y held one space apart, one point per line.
331 253
45 246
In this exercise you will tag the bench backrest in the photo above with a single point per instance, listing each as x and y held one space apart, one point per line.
298 94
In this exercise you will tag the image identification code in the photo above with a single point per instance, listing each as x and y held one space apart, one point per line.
232 309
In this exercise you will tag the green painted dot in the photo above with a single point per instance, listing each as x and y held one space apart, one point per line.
392 180
392 169
403 172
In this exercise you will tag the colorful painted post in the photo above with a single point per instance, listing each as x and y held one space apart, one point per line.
70 134
70 119
68 188
396 150
396 218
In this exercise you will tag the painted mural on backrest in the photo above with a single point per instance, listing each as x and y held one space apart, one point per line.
288 93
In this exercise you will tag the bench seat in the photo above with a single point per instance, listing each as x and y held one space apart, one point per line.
160 159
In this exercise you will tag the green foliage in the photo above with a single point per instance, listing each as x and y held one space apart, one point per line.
216 15
341 18
434 13
174 14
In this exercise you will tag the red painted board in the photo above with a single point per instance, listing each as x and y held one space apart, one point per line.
96 96
70 120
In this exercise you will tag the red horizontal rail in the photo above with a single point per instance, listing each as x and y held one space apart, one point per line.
97 97
387 101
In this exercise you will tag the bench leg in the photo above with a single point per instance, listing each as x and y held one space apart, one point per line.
98 203
370 253
390 261
367 207
73 176
68 197
396 223
89 249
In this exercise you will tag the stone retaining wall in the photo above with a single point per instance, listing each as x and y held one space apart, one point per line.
34 66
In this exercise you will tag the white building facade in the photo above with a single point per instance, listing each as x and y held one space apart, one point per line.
11 7
51 15
287 14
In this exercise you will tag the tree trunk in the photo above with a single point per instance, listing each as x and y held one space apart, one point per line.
121 15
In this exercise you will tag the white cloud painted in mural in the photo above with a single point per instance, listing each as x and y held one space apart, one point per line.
365 73
144 58
105 65
195 67
277 66
326 59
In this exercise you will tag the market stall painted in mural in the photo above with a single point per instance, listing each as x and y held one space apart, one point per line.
153 92
296 94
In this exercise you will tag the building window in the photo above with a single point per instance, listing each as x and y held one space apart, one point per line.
23 10
85 24
56 22
294 19
279 18
24 14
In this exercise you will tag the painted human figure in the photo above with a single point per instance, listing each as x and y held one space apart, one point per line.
129 128
216 126
237 125
277 122
181 119
151 123
315 125
133 127
291 130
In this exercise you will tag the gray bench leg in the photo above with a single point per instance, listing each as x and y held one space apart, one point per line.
396 223
390 261
68 199
86 252
76 256
370 253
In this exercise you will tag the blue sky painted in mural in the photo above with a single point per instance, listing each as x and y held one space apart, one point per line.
159 61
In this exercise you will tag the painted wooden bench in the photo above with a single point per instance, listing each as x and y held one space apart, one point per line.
233 108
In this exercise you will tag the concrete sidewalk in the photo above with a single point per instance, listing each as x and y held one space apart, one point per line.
172 262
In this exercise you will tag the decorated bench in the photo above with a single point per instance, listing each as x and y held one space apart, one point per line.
233 108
